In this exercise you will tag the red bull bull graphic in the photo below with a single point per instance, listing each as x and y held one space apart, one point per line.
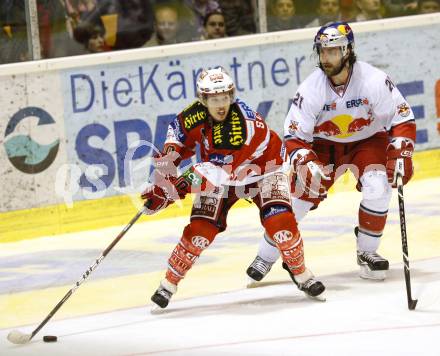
328 128
359 124
342 126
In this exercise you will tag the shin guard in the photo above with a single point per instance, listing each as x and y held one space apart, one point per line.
197 236
283 230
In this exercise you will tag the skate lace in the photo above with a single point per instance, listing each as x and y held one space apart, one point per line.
307 284
261 265
164 293
371 257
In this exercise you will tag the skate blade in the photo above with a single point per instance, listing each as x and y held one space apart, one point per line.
367 273
252 283
319 298
155 310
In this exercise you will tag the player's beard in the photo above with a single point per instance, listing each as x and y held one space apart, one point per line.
332 71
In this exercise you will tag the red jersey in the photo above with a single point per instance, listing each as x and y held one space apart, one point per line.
242 145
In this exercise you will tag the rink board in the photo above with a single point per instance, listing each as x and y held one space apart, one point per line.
69 125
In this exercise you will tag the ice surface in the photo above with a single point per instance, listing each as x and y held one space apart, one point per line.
212 313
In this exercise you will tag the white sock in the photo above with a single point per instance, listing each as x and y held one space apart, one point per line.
267 251
367 243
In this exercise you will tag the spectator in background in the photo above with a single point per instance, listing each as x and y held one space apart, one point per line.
368 10
214 25
328 11
282 16
395 8
55 36
55 40
92 37
127 23
76 10
305 10
199 9
13 37
348 10
239 17
166 25
428 6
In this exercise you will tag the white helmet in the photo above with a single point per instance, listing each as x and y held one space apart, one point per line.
337 34
214 81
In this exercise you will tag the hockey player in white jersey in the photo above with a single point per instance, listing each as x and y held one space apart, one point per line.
346 115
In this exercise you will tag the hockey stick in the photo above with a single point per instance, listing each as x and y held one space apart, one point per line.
17 337
411 302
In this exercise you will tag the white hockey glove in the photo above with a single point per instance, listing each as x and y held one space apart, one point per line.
309 173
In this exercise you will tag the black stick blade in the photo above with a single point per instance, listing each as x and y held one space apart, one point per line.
412 304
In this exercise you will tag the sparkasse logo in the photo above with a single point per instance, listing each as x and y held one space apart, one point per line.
25 154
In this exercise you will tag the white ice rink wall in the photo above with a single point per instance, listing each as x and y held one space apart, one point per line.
86 112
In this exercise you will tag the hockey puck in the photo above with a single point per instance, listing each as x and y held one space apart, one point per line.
50 338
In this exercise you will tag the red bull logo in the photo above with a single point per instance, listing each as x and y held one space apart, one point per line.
344 29
342 126
293 127
323 39
328 128
359 124
403 110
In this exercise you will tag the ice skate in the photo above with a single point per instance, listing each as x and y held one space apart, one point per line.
308 284
372 265
162 296
257 271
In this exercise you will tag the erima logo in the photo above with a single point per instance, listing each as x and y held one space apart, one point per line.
23 152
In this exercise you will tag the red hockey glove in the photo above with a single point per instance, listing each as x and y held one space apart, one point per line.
156 199
309 173
399 160
167 190
162 193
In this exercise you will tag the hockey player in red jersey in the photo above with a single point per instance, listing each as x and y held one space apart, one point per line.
346 115
241 157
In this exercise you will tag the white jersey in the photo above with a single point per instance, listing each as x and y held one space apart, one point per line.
369 103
